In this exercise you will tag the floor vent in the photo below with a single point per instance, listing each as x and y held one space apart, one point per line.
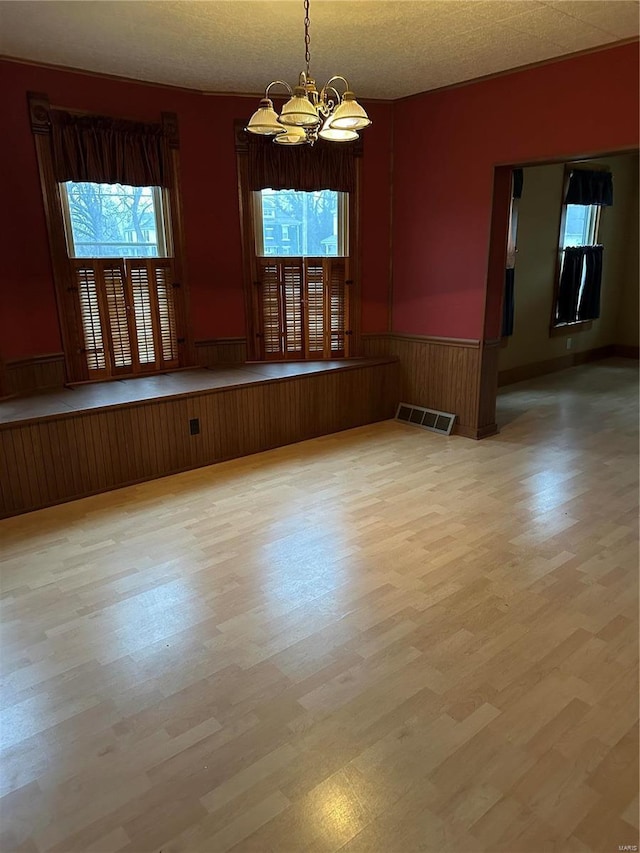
430 419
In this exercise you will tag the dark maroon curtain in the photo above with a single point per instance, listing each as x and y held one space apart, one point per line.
108 151
323 166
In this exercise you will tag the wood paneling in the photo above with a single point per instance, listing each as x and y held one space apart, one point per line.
487 389
26 375
441 373
376 346
62 457
221 351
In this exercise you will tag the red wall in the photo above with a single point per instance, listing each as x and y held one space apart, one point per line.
28 315
446 145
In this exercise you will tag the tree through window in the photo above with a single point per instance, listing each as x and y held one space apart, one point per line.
112 220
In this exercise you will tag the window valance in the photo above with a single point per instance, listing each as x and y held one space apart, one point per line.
108 151
323 166
587 186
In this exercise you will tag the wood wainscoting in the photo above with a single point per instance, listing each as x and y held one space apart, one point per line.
221 351
441 373
450 374
37 373
52 459
376 345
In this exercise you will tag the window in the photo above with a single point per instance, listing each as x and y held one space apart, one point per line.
111 220
580 225
301 248
580 259
109 187
302 302
126 304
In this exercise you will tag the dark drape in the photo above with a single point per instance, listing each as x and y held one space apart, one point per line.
323 166
582 267
509 297
518 180
108 151
590 187
508 303
570 281
589 308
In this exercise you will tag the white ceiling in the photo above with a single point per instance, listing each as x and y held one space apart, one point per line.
386 49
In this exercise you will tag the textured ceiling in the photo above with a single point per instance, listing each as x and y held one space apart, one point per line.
385 49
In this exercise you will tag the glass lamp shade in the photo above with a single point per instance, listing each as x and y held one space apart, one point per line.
349 115
299 111
265 120
336 134
292 135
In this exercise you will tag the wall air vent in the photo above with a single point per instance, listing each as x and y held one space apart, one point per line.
430 419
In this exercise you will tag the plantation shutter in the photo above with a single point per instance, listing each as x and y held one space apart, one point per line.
128 314
293 343
142 290
86 287
303 307
165 289
337 308
314 305
113 279
270 309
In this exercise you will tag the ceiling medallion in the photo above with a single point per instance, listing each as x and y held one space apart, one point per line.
309 114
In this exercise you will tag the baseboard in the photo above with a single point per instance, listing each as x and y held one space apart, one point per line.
475 433
625 351
563 362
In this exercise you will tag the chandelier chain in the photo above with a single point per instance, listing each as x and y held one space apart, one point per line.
307 37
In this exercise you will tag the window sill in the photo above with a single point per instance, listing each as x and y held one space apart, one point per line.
570 328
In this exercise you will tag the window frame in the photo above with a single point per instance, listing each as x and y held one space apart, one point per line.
563 329
249 257
76 367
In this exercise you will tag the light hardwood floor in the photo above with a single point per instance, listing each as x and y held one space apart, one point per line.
383 640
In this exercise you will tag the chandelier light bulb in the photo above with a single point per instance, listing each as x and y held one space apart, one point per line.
349 114
299 110
265 120
292 135
334 134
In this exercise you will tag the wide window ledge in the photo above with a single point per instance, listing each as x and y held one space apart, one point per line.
570 328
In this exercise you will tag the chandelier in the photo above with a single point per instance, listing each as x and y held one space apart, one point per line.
309 114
